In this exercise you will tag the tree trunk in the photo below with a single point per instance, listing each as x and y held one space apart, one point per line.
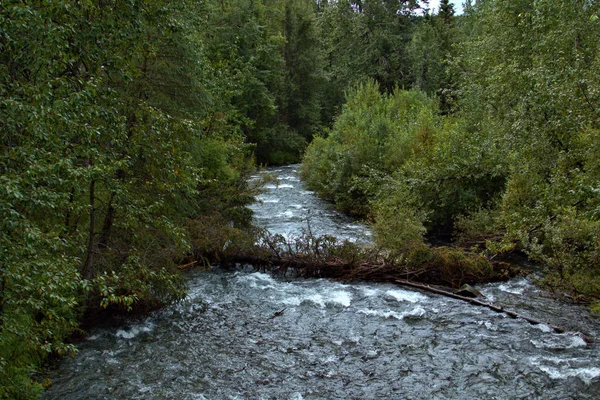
88 265
107 225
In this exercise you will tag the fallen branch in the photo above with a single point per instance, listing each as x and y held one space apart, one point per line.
184 266
586 338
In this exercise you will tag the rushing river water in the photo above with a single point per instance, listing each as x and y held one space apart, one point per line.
249 335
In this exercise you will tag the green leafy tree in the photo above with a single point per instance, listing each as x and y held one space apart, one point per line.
394 159
530 76
105 113
374 135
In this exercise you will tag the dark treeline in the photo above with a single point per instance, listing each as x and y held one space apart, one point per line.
128 129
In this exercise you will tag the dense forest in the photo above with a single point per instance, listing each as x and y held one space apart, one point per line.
128 130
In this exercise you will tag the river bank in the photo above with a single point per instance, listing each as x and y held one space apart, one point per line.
245 334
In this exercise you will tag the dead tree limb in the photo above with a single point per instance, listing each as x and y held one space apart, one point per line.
586 338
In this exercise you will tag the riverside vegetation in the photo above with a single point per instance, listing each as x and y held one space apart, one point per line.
128 129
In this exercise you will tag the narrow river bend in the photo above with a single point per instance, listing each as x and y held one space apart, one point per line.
248 335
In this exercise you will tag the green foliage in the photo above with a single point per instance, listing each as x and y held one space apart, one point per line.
461 172
395 155
127 131
265 55
115 132
304 78
456 266
414 172
531 74
365 39
246 54
399 225
375 134
427 57
432 51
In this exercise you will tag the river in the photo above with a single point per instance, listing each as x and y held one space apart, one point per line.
249 335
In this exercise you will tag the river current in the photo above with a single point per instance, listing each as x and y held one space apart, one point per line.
249 335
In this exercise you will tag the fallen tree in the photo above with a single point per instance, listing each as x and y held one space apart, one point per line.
327 257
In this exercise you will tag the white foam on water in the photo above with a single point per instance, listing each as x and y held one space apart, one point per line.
330 359
296 396
370 292
262 276
335 297
285 214
383 314
563 369
490 326
541 344
587 375
292 301
491 298
372 353
511 288
543 328
258 280
330 297
353 226
577 341
134 331
563 341
415 312
285 186
405 295
316 299
340 297
270 200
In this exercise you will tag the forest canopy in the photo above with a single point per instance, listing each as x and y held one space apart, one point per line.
128 129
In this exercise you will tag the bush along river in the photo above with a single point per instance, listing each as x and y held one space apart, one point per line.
249 335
